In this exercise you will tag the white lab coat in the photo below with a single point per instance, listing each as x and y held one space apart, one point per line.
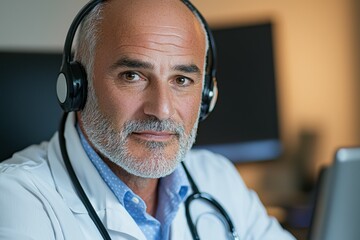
38 201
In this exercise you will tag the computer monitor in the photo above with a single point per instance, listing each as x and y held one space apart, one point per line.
30 113
244 125
337 209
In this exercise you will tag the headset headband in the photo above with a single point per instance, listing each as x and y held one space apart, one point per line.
72 83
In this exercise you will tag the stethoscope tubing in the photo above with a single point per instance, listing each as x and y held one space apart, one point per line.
79 190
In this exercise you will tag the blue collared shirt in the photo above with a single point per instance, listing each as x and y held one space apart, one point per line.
172 191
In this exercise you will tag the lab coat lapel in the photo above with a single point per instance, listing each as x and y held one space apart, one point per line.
179 227
88 176
111 212
120 221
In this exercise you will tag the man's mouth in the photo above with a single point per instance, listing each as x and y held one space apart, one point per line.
157 136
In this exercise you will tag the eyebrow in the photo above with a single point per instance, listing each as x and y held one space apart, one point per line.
132 63
191 68
136 63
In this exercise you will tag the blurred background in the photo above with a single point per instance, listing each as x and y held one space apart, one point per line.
313 66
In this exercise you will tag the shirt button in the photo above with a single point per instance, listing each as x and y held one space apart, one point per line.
135 200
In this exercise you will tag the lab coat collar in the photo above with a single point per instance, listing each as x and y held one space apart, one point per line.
103 200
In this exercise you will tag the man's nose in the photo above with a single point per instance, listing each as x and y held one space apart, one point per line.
159 101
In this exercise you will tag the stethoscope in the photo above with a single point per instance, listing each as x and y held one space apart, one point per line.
196 195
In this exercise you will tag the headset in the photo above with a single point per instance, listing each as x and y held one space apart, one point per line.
71 86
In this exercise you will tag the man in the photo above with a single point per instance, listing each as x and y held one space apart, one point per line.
145 64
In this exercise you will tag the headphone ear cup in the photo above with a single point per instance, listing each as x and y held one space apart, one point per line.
214 95
71 87
209 96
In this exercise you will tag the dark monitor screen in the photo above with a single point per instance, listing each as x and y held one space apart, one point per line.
244 123
30 113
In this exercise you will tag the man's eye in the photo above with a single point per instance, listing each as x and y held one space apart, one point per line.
130 76
183 81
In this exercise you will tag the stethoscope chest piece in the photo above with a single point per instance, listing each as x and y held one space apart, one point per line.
212 202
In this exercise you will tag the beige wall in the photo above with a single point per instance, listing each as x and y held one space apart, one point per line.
317 66
39 25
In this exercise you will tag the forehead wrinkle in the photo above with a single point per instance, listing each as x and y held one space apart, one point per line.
161 38
164 33
167 30
156 49
177 46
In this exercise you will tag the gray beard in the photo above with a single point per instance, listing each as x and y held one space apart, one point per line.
113 144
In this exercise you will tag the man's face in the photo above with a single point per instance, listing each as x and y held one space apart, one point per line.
143 110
